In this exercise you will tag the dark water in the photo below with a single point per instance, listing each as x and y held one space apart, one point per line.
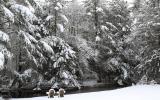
84 89
92 89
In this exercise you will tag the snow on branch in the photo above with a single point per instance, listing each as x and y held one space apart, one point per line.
111 25
104 28
26 39
24 11
120 16
4 37
69 79
31 38
30 6
2 60
64 18
49 17
65 49
59 5
47 47
98 38
60 27
8 14
4 53
99 9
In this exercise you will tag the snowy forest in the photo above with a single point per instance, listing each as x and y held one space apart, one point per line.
78 43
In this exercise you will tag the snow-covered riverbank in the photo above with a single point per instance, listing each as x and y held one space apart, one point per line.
141 92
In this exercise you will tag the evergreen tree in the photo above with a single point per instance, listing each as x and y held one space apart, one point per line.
34 51
56 18
114 26
146 37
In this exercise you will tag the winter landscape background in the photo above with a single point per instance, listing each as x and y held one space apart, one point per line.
79 45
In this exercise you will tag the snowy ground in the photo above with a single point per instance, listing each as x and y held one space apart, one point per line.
141 92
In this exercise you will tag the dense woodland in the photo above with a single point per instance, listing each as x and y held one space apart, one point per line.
64 43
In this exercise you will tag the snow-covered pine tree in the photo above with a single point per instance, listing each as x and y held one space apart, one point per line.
6 18
35 53
55 19
94 10
114 25
75 13
145 39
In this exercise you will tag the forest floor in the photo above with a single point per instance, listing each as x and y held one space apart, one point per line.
139 92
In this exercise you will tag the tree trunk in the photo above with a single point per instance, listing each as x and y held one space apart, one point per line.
55 23
96 16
